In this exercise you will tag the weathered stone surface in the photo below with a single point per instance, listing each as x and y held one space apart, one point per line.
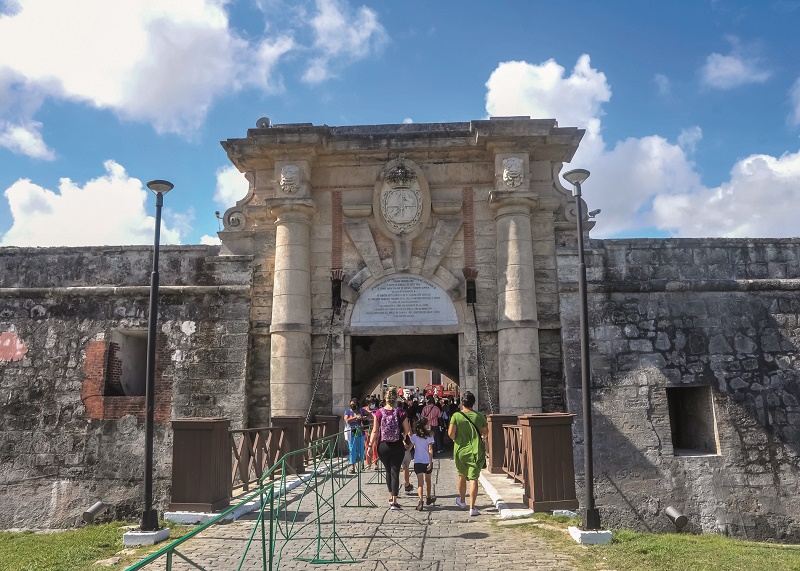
55 461
246 337
738 338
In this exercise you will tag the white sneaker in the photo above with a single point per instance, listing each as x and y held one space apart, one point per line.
460 504
474 511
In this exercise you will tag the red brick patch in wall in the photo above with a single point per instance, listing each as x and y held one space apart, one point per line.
336 229
469 227
100 406
12 348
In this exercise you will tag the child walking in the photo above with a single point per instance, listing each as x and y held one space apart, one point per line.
422 442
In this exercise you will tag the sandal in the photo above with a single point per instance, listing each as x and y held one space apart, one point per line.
420 506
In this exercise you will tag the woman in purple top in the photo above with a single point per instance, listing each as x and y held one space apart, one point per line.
389 429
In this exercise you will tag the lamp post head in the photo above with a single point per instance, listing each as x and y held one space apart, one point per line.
160 186
576 176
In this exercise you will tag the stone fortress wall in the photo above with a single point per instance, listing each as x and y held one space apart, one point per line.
68 435
694 347
694 342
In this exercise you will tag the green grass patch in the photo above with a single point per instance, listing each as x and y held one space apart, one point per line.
633 551
71 550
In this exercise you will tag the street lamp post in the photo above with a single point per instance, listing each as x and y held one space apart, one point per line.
149 515
591 515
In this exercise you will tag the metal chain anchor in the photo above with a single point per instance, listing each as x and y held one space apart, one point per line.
321 365
481 360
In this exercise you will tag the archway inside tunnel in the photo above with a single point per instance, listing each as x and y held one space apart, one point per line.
375 358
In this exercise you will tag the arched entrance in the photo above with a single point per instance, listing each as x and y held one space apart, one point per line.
374 358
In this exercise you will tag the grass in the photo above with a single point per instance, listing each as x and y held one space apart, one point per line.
70 550
633 551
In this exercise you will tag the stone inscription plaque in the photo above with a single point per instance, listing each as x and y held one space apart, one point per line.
404 300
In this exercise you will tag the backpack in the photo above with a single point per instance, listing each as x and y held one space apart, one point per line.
390 428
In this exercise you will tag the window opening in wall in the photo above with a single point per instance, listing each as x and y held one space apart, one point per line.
408 379
691 418
127 363
436 378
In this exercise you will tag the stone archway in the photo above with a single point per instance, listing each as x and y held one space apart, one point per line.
374 358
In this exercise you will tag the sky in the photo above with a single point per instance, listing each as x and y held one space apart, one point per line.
691 108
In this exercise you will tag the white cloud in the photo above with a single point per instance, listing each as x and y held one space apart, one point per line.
25 139
663 84
231 186
341 34
794 96
110 209
689 138
210 240
759 201
157 62
543 92
729 71
408 120
647 182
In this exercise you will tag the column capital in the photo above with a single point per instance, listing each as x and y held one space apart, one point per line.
505 202
291 209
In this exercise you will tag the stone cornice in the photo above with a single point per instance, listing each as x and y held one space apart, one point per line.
666 286
541 138
123 291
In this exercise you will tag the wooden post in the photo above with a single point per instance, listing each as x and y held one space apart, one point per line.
549 470
496 446
293 439
201 464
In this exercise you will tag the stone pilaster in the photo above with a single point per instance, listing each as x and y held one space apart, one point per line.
290 331
518 367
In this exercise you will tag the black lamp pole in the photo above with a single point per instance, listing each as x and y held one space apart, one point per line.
150 515
591 515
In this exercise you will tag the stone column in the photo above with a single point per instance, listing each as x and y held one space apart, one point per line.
519 369
290 332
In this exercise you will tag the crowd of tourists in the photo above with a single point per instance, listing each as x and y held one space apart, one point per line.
406 434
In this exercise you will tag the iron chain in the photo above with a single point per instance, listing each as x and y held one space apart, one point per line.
321 365
481 360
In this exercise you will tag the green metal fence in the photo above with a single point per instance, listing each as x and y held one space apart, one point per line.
295 517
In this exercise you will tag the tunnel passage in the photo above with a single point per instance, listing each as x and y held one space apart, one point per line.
377 357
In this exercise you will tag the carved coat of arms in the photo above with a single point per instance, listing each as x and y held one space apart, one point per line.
400 200
401 208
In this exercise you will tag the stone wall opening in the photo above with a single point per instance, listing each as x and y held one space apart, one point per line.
375 358
691 418
127 363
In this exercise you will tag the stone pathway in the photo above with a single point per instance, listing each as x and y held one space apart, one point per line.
441 538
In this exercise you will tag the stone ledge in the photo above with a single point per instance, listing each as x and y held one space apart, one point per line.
660 286
134 538
122 291
599 537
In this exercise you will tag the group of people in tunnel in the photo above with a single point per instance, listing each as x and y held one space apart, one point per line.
405 434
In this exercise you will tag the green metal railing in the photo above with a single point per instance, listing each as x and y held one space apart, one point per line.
293 510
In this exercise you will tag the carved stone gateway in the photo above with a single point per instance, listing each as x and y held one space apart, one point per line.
694 342
402 228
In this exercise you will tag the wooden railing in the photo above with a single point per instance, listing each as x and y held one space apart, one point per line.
513 460
255 451
311 432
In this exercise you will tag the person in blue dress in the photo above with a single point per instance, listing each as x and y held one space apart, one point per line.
353 417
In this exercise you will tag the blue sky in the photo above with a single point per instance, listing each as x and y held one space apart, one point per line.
692 108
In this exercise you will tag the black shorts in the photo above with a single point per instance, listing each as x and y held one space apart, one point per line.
422 468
